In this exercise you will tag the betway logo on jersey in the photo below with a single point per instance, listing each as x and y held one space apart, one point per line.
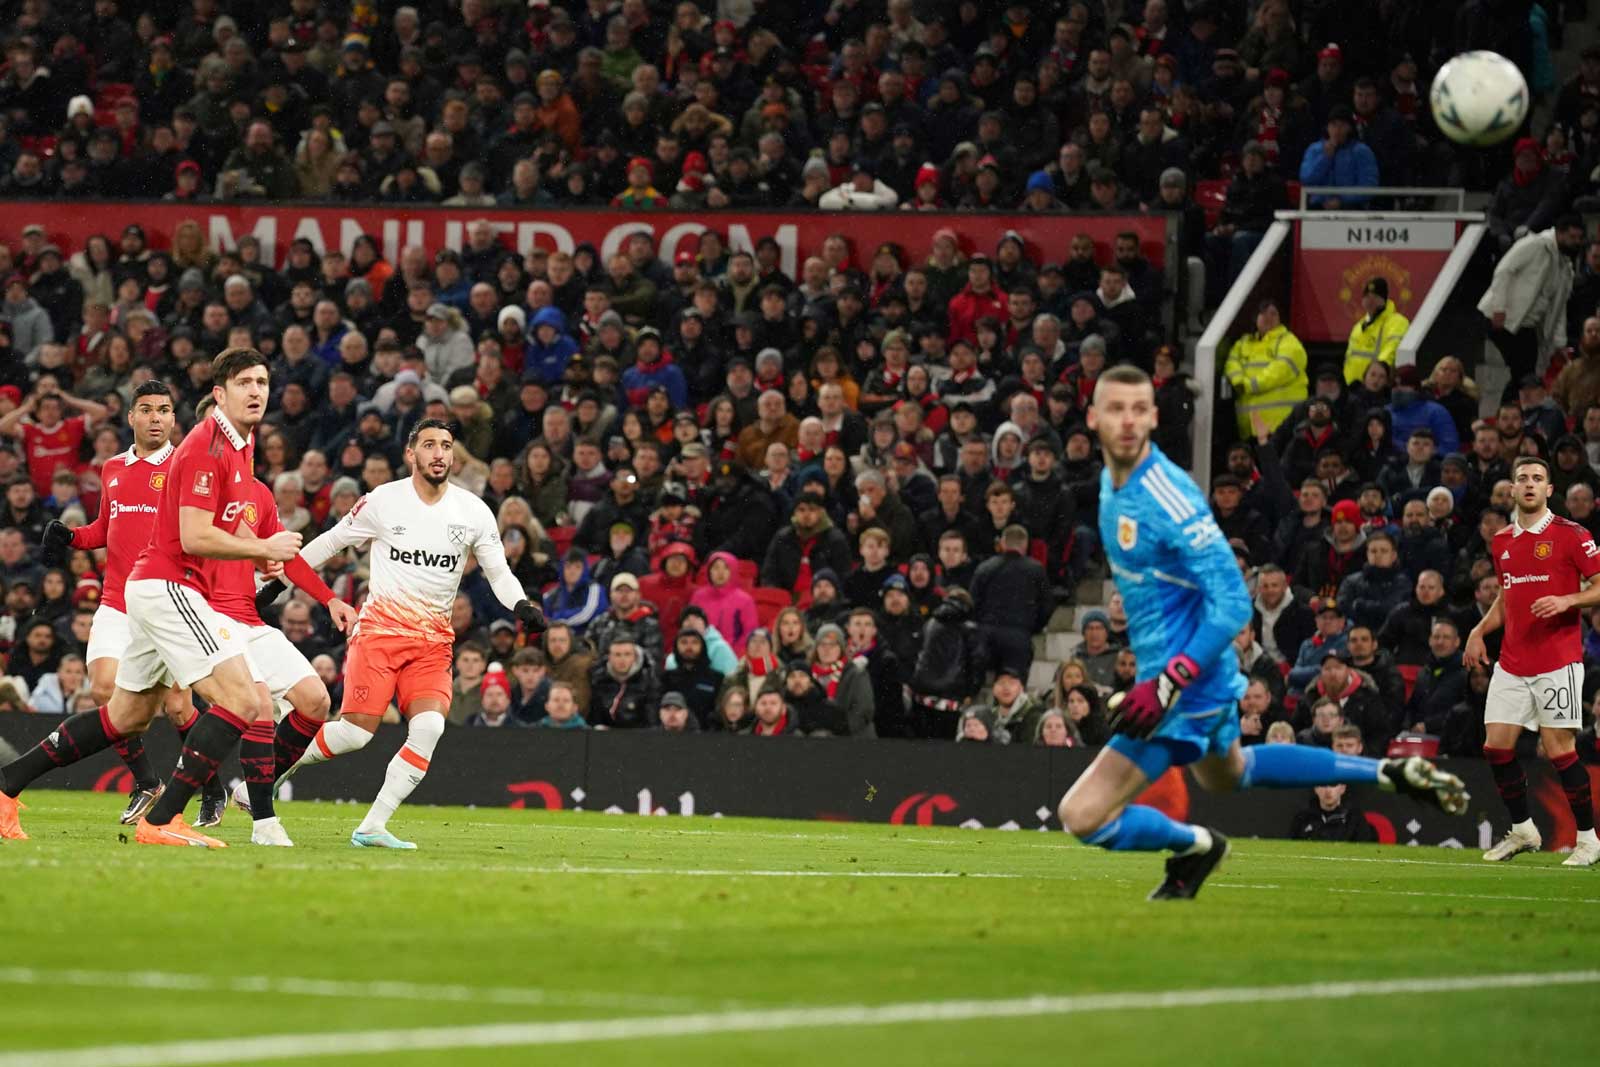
119 508
421 557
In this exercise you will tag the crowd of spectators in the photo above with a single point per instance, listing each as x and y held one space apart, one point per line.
842 502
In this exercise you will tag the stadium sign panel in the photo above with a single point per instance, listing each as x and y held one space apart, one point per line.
1334 259
1046 237
908 783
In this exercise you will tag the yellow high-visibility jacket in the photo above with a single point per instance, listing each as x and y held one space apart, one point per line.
1268 373
1378 340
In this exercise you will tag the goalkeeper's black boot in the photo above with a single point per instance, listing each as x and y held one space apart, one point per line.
1186 874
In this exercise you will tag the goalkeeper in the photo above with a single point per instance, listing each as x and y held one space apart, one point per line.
1186 601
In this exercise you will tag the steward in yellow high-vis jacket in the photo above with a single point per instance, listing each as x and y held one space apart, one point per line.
1267 370
1376 335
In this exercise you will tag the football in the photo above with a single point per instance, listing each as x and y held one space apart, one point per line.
1479 98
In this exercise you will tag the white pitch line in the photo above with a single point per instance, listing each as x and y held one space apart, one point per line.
206 1053
323 987
627 872
1562 901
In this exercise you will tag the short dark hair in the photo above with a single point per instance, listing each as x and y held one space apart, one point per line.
427 424
231 362
154 387
1570 221
1529 461
1125 374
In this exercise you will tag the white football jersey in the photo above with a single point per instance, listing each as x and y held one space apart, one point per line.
419 553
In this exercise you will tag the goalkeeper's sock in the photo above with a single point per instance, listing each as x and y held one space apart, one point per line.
256 759
1298 766
131 750
332 739
1575 783
1142 829
1510 781
406 770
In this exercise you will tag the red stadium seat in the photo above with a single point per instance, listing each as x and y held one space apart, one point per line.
1408 674
561 537
1211 195
746 573
769 602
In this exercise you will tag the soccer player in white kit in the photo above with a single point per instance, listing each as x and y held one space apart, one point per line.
402 647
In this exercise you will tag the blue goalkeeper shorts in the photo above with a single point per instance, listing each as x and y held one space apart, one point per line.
1181 739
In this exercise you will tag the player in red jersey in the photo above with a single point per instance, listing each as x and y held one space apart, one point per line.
282 672
1544 563
178 638
132 483
49 440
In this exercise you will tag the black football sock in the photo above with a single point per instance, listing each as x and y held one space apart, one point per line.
1575 783
1509 780
131 750
207 742
256 758
78 737
294 734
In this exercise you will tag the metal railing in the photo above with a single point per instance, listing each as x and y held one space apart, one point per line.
1443 285
1205 353
1410 192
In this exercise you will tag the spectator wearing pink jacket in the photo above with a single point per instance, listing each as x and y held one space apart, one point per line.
729 608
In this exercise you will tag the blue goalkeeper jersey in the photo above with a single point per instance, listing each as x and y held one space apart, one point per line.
1180 584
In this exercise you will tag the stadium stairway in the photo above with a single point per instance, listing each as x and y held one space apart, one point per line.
1061 636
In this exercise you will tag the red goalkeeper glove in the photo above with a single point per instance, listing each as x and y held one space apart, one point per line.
1137 712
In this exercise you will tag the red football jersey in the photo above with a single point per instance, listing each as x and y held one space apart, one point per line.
212 469
45 451
233 581
1551 558
132 490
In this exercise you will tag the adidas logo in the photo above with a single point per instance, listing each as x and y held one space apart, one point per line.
1506 554
236 478
113 484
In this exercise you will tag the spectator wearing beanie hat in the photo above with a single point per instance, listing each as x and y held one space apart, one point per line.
1526 200
925 191
495 697
640 194
1040 194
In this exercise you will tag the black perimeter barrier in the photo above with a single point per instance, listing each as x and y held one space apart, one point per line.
899 782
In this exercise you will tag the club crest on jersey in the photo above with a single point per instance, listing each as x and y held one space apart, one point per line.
361 693
202 483
250 513
458 534
158 481
1542 549
1127 533
223 633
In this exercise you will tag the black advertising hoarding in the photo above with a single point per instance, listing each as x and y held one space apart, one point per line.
901 782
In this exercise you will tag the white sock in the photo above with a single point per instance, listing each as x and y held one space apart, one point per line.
1525 827
1202 842
406 770
333 738
1588 837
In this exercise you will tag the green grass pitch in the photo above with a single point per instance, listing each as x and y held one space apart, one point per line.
524 937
